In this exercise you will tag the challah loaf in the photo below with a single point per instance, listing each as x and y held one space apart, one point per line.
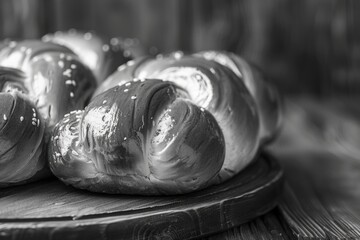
109 146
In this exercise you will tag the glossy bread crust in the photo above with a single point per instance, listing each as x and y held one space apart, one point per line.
200 124
20 125
143 137
100 55
46 81
53 77
265 95
213 87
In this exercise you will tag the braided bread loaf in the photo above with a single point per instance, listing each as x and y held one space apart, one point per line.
39 83
198 126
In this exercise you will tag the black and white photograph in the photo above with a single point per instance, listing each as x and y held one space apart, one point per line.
179 120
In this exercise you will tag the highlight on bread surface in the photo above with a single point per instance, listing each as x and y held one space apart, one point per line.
100 55
53 77
265 95
166 125
210 85
22 130
48 79
123 143
142 137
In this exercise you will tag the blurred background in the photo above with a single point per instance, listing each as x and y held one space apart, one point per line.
305 47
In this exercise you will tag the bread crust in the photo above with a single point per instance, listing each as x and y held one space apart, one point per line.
195 85
48 79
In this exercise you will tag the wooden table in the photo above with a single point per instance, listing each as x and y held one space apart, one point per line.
319 149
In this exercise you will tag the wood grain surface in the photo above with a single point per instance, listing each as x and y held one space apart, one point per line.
269 226
319 149
51 210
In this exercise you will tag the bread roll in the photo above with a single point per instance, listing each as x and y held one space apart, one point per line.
49 80
53 77
101 56
22 129
265 95
143 137
100 153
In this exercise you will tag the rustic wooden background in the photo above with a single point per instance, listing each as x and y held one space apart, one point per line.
319 149
304 46
308 48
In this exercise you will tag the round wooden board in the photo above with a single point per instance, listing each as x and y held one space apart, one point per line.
50 210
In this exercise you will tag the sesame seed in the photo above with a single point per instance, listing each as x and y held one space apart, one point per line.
73 66
38 122
71 94
133 97
57 154
136 79
33 109
125 138
212 70
21 118
122 67
67 72
126 90
5 118
105 47
198 77
34 114
61 64
47 58
68 82
130 63
178 54
104 101
127 84
202 109
33 123
87 36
